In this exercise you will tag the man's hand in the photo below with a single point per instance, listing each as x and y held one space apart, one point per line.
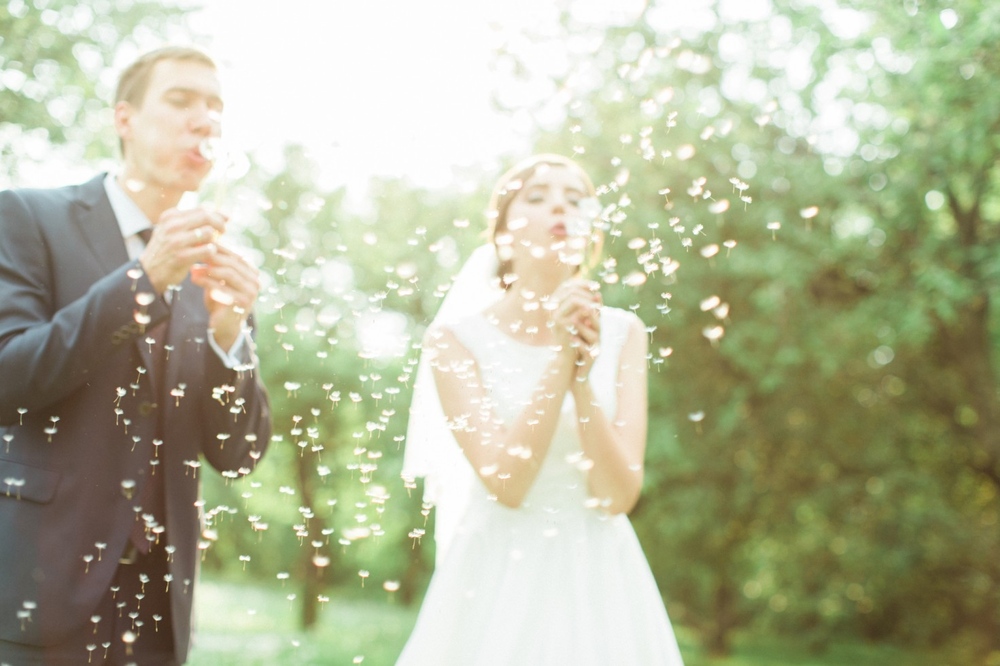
231 285
180 240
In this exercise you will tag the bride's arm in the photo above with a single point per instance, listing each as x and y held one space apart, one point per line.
617 448
506 457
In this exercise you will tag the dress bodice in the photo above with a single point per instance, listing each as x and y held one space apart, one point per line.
510 370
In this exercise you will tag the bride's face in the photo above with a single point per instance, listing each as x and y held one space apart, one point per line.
543 217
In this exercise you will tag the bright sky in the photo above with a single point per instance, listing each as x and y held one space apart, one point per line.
395 86
389 87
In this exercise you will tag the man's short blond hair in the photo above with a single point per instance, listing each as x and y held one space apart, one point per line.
134 80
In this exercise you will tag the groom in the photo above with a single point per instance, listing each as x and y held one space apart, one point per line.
125 361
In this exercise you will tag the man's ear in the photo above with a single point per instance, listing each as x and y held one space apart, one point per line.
123 119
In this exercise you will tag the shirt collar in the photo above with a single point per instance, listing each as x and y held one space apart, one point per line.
131 220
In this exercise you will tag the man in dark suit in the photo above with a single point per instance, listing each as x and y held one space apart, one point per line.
125 361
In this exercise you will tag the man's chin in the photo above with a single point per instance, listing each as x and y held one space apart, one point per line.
191 182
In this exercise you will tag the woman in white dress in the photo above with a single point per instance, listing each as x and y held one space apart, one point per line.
529 424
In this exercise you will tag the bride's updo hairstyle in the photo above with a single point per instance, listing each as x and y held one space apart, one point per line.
503 194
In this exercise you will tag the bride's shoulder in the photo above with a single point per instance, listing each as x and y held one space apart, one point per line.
454 327
443 335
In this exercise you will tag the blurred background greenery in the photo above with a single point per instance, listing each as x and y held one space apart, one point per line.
805 210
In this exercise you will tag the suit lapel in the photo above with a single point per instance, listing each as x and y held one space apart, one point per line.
99 226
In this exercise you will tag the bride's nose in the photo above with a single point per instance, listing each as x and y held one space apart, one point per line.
558 203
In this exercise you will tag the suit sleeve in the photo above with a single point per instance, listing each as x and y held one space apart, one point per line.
237 410
47 352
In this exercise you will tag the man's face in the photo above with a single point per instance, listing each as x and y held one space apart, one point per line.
182 107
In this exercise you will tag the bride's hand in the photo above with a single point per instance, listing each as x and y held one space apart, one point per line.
576 318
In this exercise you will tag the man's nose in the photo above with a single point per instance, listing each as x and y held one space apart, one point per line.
205 120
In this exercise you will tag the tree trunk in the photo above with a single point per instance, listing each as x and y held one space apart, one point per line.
719 638
312 575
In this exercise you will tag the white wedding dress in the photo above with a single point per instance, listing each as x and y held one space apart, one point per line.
556 581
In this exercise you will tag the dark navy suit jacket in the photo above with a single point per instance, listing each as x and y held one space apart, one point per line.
81 406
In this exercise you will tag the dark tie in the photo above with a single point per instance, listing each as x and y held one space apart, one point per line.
151 498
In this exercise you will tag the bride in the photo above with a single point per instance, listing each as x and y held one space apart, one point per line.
529 426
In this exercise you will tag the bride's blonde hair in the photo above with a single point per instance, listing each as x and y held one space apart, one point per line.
509 186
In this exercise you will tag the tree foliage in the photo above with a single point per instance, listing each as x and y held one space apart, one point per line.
56 81
824 456
802 205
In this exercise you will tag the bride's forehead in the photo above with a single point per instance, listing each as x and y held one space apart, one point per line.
547 175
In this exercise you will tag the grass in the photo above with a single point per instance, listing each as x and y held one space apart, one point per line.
241 625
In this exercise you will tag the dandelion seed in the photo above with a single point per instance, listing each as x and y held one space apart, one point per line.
709 303
145 298
634 279
720 206
713 333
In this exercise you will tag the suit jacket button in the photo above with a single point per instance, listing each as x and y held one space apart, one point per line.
146 408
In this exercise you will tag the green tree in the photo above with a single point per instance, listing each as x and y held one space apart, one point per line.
817 281
347 294
56 81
